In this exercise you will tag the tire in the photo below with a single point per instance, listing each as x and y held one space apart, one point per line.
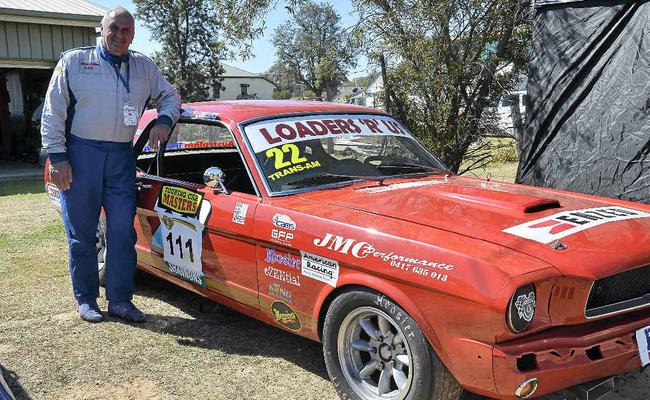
101 249
374 350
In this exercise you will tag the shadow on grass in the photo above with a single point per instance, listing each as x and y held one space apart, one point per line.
220 328
10 188
12 381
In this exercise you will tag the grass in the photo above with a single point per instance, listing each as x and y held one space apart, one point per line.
504 161
188 349
27 186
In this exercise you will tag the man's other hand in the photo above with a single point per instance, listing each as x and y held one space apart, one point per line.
61 174
159 134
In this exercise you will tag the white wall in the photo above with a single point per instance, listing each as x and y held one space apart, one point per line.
262 87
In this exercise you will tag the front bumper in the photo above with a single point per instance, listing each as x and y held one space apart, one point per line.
569 355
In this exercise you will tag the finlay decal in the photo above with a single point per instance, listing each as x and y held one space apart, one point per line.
547 229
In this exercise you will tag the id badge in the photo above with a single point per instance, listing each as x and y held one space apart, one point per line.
130 115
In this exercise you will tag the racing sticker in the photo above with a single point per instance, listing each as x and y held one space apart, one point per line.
276 133
239 213
320 268
643 340
284 222
180 233
284 315
183 201
547 229
288 160
278 292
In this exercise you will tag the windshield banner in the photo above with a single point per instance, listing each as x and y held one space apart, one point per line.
266 134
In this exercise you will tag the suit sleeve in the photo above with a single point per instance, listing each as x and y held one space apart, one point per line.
168 102
55 111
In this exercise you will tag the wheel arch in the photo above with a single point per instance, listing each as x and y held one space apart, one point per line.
397 296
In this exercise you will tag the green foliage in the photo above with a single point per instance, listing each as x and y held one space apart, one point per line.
313 50
442 60
189 31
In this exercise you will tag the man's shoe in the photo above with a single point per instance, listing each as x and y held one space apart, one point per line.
127 311
90 312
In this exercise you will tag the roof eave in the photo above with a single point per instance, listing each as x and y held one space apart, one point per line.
45 14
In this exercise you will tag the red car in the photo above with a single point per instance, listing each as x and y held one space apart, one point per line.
331 221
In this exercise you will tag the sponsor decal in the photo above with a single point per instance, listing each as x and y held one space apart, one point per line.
526 306
286 259
282 237
293 169
358 249
278 292
187 274
89 66
189 112
546 230
320 268
400 186
199 144
275 133
285 316
283 221
288 161
402 319
54 194
643 340
180 200
239 213
281 275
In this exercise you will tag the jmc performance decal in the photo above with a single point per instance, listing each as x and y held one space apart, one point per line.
285 316
181 200
547 229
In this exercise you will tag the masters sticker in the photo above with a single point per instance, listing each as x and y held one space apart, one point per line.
181 200
285 316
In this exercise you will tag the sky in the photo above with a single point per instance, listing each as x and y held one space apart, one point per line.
263 51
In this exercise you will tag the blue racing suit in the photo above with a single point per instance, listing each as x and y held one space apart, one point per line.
90 115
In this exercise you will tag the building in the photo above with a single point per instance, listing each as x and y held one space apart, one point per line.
33 33
238 84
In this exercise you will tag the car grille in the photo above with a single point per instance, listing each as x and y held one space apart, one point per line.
620 292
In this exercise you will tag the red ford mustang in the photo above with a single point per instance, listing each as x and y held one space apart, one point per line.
331 221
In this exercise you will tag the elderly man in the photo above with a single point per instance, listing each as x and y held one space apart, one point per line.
92 107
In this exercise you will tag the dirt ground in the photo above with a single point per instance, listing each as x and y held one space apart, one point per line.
189 348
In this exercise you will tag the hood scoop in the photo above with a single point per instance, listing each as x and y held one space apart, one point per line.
496 200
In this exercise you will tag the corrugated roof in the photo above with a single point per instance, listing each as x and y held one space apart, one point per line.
59 7
234 72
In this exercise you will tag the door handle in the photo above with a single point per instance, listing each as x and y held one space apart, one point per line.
139 186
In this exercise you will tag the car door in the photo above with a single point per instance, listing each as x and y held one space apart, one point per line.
198 236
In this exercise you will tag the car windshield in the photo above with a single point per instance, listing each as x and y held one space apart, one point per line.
298 153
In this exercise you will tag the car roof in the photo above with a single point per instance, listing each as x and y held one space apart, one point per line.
243 110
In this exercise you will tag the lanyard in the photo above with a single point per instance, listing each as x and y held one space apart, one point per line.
121 78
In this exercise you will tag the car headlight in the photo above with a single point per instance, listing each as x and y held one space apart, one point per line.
521 309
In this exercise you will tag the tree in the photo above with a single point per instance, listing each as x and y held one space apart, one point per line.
314 49
442 61
189 31
287 87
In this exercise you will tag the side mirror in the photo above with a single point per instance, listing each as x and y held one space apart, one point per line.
214 177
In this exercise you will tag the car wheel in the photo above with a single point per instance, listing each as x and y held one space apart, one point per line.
374 350
101 249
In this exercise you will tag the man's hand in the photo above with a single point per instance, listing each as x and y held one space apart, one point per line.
159 134
61 174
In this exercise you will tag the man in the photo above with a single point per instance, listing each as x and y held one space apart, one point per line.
92 107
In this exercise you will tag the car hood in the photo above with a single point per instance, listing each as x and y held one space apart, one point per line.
597 236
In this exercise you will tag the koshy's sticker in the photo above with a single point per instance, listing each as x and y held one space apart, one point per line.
267 134
320 268
198 144
285 316
547 229
239 213
180 200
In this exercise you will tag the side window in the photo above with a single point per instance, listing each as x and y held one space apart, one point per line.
194 147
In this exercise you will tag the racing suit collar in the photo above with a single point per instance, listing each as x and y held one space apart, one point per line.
115 60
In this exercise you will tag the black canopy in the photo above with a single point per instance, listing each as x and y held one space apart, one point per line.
589 88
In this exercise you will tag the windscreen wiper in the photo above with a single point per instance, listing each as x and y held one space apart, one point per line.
406 165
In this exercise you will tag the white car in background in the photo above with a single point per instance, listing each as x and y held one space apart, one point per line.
502 110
